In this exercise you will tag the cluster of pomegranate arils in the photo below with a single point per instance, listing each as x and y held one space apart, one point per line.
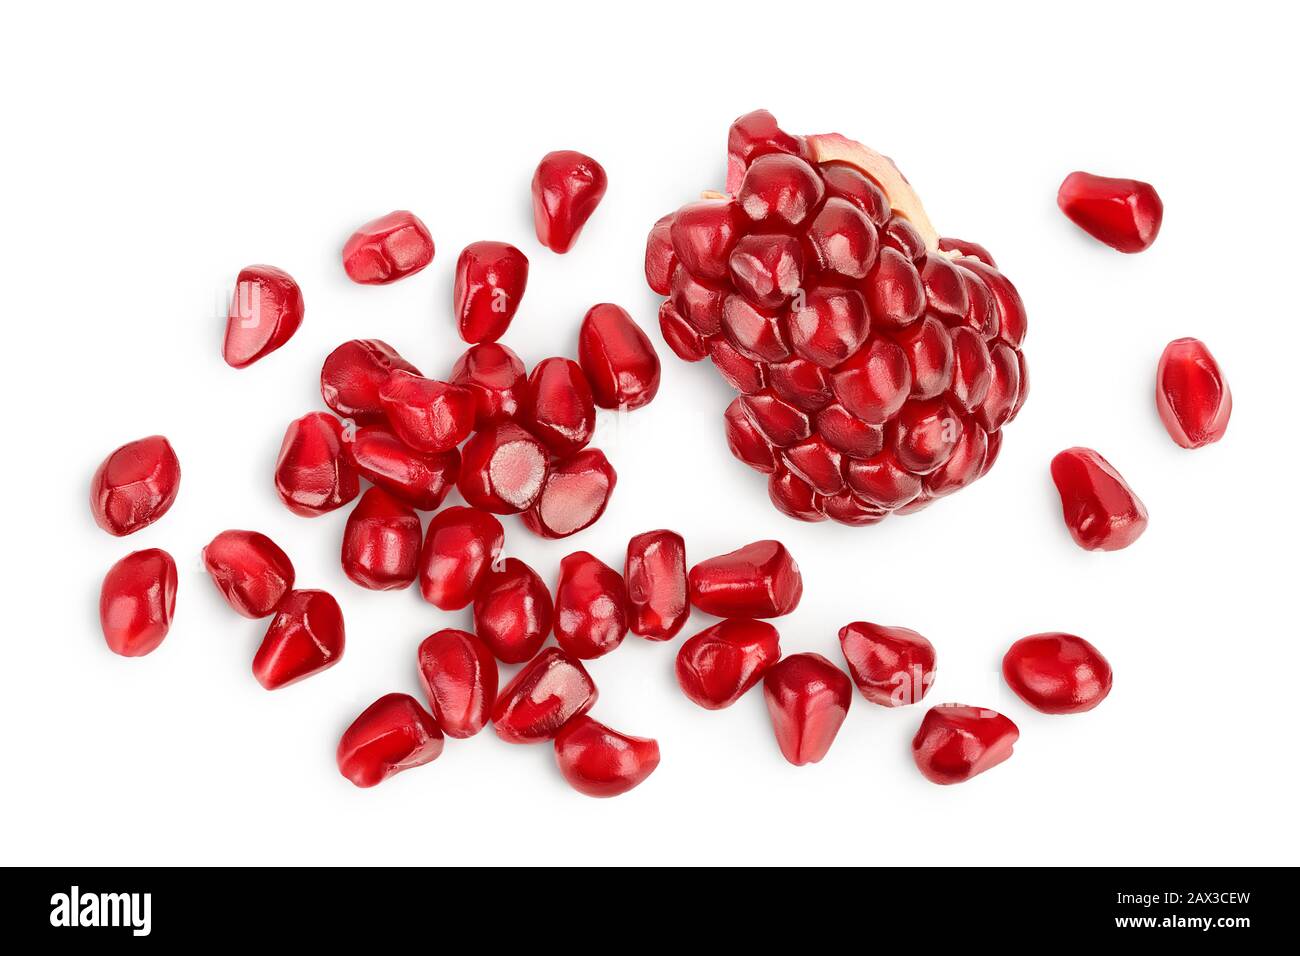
876 365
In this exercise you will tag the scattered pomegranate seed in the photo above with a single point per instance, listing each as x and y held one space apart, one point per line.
503 469
387 249
497 378
716 667
513 611
490 282
617 358
250 570
1123 213
655 574
573 496
391 735
460 548
352 375
548 692
590 607
459 676
758 580
567 188
1057 673
381 542
265 311
892 666
314 475
1099 507
137 601
421 480
428 415
956 742
135 485
305 638
1192 395
601 762
808 698
561 410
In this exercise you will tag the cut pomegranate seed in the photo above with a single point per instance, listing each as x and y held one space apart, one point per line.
137 601
381 542
503 469
1057 673
892 666
420 480
808 698
546 694
513 611
265 311
490 282
660 260
716 667
567 188
498 379
428 415
601 762
135 485
250 570
391 735
655 574
459 676
758 580
590 607
956 742
1192 395
1123 213
617 358
561 410
460 548
1099 507
352 375
305 638
573 496
387 249
314 474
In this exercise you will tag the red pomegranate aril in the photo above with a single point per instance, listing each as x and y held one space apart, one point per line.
698 303
617 358
657 592
314 474
817 463
381 542
849 434
459 677
756 333
265 311
660 260
873 384
955 742
756 134
354 372
964 248
843 240
808 698
946 294
793 496
1192 395
561 410
1057 673
745 441
1012 321
848 508
1123 213
891 666
778 421
778 191
136 602
802 383
489 285
964 465
927 433
429 416
929 356
894 292
848 183
972 369
250 571
590 607
882 481
686 343
743 374
716 667
548 692
305 638
573 496
460 547
135 485
1004 391
601 762
900 234
391 735
387 249
498 379
513 611
1099 507
503 469
421 480
830 326
567 188
758 580
704 234
767 269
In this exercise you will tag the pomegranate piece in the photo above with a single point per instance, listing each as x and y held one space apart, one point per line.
718 665
503 469
561 410
758 580
573 496
265 311
354 372
490 282
460 548
428 415
1192 395
807 698
135 485
250 571
590 607
421 480
305 638
548 692
600 761
136 602
381 542
617 358
955 742
891 666
513 611
1123 213
655 574
386 249
497 377
314 474
459 677
1057 673
391 735
1099 507
567 188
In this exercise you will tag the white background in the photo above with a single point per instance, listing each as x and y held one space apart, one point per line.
151 152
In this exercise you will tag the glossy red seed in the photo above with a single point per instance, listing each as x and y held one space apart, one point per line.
1099 507
808 698
617 358
848 508
716 667
767 269
381 542
793 496
503 469
590 607
900 234
548 692
802 383
747 442
894 292
573 496
391 735
387 249
655 575
135 485
429 416
843 240
136 602
955 742
882 481
758 334
741 373
963 247
265 311
1057 673
945 289
314 473
1192 395
698 303
660 260
460 547
567 188
849 183
758 580
778 191
686 343
982 313
972 368
420 480
778 421
851 435
875 381
830 326
704 234
1123 213
459 677
250 570
489 285
352 375
1004 388
305 638
964 465
513 611
498 379
929 356
1012 321
927 432
891 666
602 762
561 410
752 135
817 463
